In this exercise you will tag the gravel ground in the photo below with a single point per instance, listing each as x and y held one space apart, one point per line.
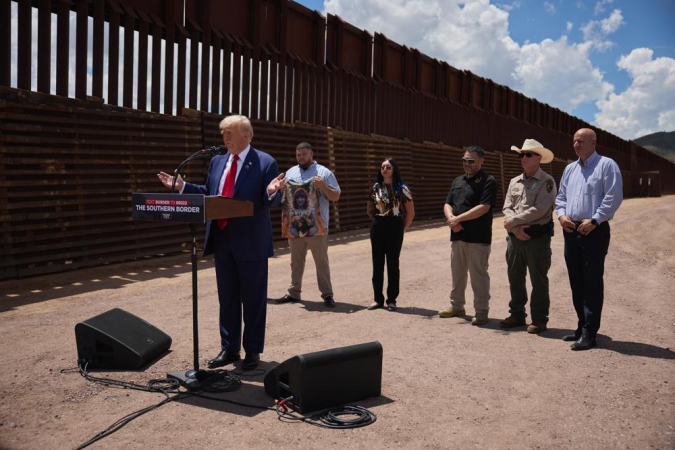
445 383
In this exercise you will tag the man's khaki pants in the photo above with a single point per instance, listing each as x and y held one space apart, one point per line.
319 248
472 258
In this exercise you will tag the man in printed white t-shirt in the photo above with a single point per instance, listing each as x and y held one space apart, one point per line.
328 190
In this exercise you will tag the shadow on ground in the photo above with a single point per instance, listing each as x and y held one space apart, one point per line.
16 293
623 347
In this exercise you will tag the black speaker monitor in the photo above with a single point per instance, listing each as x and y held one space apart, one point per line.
119 340
328 378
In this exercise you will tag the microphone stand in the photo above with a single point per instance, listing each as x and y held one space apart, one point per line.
193 379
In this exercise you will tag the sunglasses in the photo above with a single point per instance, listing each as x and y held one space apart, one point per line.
529 155
385 167
468 161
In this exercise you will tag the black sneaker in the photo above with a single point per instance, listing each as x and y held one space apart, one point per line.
287 299
328 301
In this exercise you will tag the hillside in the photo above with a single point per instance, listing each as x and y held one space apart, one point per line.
661 143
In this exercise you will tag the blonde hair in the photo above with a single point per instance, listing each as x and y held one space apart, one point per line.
243 125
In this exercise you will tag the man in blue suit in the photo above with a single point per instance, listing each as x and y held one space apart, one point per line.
241 246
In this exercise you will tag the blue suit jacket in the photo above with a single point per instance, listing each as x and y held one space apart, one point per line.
249 238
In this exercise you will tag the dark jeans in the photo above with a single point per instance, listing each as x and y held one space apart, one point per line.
386 239
585 258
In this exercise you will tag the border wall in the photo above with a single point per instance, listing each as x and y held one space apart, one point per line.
68 169
278 61
138 85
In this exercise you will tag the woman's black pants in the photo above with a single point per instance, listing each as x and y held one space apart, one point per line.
386 239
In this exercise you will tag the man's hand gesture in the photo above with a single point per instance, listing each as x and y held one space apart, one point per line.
167 180
276 184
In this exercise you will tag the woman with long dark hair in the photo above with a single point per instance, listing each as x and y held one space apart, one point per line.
390 206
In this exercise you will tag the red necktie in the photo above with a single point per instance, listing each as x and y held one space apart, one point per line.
228 187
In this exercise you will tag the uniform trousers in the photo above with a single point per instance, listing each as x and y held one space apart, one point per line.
474 259
534 256
242 287
585 259
319 248
386 239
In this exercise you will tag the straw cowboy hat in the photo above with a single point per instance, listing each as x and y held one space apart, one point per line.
532 146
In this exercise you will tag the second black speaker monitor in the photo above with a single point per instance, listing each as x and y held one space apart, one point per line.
328 378
119 340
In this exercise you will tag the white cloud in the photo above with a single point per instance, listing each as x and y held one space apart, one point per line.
667 120
569 26
600 6
596 31
469 35
559 73
474 35
549 7
612 23
648 104
509 6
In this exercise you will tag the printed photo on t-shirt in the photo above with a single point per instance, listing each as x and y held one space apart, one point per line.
300 214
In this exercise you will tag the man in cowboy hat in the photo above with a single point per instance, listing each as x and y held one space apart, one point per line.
528 209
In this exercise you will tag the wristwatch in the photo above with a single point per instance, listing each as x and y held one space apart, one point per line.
594 222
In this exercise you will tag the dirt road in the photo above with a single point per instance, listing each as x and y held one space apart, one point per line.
446 383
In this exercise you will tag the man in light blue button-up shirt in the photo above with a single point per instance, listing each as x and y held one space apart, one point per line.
591 190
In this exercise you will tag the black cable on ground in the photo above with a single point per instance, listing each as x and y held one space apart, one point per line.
220 382
332 418
161 385
126 419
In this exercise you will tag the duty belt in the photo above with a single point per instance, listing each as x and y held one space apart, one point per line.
540 230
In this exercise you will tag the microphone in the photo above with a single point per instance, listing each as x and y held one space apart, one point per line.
215 150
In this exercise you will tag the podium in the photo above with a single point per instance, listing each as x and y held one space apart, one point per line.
192 209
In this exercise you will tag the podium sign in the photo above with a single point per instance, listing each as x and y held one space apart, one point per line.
185 208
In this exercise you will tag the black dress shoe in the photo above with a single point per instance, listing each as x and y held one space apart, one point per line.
391 306
287 299
328 301
585 342
571 337
224 358
250 361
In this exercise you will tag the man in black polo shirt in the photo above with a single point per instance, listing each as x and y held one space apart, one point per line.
468 210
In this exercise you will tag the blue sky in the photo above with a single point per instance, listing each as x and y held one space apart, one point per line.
609 62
